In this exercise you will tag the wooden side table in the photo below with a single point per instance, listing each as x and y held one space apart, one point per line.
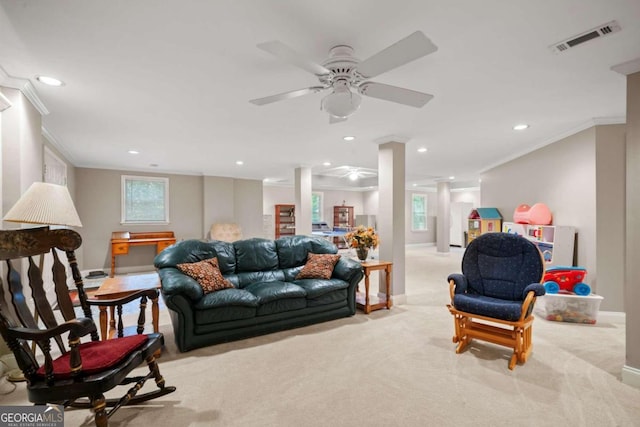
368 267
118 287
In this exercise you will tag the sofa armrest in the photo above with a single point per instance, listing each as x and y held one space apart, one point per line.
348 270
174 282
537 289
460 281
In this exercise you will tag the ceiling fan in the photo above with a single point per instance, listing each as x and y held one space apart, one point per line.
348 78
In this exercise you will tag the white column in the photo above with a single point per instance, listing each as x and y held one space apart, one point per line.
443 222
391 213
631 369
303 200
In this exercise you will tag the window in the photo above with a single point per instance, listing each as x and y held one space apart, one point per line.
419 212
145 200
316 207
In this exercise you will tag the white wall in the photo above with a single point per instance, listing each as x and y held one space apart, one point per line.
563 175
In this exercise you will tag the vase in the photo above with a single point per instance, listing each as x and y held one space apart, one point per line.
362 252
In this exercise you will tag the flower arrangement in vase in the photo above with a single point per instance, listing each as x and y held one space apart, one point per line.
363 239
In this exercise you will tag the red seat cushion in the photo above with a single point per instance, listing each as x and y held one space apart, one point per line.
97 356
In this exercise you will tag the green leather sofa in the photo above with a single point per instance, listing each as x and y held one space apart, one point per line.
266 297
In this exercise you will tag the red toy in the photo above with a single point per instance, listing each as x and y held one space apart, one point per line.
566 280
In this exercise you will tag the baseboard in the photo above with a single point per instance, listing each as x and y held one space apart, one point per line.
631 376
417 245
395 299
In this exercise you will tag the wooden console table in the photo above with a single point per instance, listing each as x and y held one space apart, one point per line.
368 267
122 240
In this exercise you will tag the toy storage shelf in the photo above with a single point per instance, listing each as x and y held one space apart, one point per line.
556 242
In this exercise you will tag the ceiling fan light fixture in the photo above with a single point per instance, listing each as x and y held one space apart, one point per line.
341 103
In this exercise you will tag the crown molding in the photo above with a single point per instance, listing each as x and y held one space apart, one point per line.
27 89
391 138
629 67
596 121
57 144
4 102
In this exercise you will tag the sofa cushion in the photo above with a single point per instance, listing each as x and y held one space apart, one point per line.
333 297
224 314
317 287
318 266
270 291
293 250
488 306
255 255
247 278
183 252
224 306
227 297
226 254
207 274
281 306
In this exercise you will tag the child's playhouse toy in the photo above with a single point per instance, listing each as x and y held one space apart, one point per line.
566 280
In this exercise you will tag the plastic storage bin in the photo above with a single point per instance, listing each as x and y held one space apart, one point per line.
569 308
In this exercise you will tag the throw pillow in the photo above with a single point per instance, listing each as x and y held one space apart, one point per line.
207 274
318 266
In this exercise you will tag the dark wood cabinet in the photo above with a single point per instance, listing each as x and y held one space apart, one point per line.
285 220
344 220
343 216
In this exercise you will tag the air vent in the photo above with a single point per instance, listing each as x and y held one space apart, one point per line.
600 31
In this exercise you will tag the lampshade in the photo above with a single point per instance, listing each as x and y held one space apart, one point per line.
342 102
45 203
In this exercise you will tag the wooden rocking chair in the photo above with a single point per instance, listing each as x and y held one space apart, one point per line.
492 300
81 375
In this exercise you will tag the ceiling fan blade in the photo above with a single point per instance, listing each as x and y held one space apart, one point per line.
289 55
395 94
286 95
406 50
334 119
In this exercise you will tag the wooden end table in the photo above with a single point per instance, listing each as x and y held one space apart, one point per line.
122 286
368 267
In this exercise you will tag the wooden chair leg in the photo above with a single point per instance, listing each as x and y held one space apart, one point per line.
99 406
153 367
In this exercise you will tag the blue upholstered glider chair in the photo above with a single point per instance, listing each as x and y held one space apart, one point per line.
493 298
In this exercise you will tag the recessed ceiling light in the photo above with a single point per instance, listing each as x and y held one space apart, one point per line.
326 164
521 126
239 163
133 152
50 81
452 177
349 138
353 176
422 150
415 185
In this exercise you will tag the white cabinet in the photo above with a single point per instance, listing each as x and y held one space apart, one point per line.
556 242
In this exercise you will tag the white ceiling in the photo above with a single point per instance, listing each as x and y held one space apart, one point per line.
172 79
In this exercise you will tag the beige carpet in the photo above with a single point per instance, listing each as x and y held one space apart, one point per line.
392 368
